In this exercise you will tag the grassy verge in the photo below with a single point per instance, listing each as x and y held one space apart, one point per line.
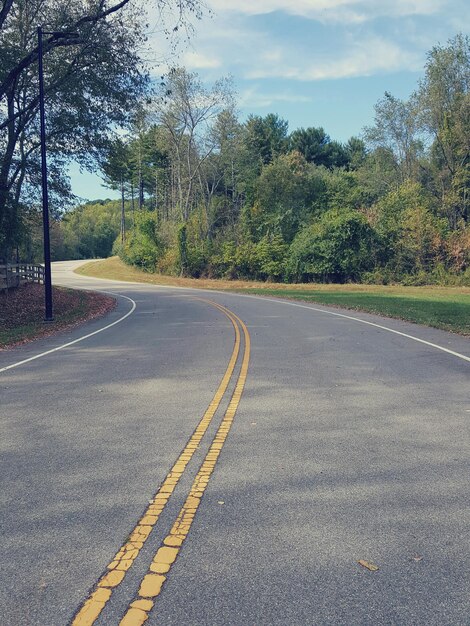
22 312
441 307
450 312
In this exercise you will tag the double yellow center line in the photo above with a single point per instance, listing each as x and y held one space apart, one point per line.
151 585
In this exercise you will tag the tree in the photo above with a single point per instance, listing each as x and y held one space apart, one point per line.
92 82
342 190
285 192
396 129
265 138
222 179
186 112
245 200
90 230
410 236
444 102
116 168
356 152
316 147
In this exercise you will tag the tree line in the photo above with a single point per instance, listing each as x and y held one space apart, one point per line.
204 193
93 74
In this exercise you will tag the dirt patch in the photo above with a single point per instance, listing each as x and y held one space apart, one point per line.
22 312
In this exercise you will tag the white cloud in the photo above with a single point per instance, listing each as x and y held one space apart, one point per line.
233 43
253 98
361 58
198 61
346 11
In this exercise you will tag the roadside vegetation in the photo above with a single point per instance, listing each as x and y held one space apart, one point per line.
22 312
447 308
96 76
207 195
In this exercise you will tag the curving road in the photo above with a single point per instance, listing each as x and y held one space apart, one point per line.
179 468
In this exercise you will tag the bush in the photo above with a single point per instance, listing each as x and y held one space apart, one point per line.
142 246
235 260
337 248
168 262
271 254
378 276
412 238
458 248
196 261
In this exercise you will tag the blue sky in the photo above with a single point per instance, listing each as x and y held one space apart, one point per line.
314 62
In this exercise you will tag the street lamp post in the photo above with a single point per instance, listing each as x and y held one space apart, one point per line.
45 195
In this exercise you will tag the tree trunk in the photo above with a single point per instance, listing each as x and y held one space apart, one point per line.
123 215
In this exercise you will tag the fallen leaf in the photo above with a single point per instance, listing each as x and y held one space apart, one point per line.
220 502
367 565
417 557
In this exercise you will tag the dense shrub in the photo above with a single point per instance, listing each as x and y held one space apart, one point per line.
411 238
285 192
337 248
271 254
142 246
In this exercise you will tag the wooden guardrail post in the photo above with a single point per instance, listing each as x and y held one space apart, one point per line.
13 275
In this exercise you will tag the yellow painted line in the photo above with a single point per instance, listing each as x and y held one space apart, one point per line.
123 560
152 583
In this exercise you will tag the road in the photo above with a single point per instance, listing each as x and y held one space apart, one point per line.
181 468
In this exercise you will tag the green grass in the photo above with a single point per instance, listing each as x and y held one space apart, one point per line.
446 311
442 307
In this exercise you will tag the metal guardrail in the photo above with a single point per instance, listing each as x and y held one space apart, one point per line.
15 274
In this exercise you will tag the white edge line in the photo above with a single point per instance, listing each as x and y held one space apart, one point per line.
71 343
310 308
357 319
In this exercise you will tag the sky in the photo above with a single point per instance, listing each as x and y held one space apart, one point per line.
313 62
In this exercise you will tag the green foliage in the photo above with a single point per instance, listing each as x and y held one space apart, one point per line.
234 260
317 147
285 192
397 130
336 248
247 200
356 153
92 83
341 190
264 260
271 254
411 237
265 137
89 230
183 249
142 247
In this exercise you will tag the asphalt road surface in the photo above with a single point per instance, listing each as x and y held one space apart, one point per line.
179 468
